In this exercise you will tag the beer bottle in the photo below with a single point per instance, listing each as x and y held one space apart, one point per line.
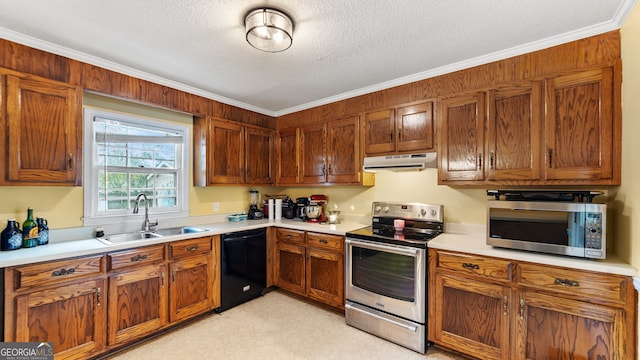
29 231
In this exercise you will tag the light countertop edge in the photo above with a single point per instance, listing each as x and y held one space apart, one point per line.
84 247
473 241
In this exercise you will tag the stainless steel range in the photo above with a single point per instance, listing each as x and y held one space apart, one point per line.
386 265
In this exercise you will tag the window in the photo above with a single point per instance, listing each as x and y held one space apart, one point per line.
127 156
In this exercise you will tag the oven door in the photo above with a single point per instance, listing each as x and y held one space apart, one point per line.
387 277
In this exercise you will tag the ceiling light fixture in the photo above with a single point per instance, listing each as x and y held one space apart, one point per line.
269 30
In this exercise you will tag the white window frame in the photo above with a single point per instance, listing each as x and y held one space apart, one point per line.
92 216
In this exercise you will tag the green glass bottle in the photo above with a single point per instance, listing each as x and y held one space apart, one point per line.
29 231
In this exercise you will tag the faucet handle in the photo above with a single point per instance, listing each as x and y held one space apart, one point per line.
153 224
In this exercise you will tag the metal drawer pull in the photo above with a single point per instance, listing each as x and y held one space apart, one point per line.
192 248
138 258
323 241
62 272
505 304
567 282
470 266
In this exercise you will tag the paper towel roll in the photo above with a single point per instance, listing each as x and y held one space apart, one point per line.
272 213
278 209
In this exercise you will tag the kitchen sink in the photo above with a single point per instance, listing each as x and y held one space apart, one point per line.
144 235
178 231
126 237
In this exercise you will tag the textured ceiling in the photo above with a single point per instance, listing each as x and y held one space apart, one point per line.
340 48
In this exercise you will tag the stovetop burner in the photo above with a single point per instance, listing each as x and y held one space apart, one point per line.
406 224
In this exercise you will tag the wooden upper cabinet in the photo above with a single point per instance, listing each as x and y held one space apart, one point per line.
260 156
415 127
313 154
343 156
580 144
379 130
461 137
225 153
43 127
287 145
514 125
403 129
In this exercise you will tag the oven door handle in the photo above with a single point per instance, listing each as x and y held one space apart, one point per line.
368 313
376 246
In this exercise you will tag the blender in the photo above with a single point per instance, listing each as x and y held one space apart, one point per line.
254 211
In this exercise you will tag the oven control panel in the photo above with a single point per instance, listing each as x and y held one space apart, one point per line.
417 211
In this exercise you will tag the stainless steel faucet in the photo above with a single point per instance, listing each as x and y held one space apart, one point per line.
147 225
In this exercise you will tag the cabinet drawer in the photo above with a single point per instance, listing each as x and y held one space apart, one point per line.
585 285
290 235
57 271
190 247
478 265
332 242
135 257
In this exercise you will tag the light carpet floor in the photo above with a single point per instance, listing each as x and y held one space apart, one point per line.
274 326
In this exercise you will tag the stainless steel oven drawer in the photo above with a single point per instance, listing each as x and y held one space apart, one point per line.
398 330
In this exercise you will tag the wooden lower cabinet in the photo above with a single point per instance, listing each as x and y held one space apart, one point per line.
493 308
191 287
89 305
290 267
71 316
551 327
310 264
325 276
471 316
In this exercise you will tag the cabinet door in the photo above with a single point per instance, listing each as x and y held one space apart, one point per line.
137 303
550 327
415 127
290 267
514 133
379 129
44 126
191 289
471 317
288 156
461 137
343 155
312 154
225 153
260 152
579 126
73 317
325 276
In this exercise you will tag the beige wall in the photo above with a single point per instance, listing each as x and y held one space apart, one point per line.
627 199
63 207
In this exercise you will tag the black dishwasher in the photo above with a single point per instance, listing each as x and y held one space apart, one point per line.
244 267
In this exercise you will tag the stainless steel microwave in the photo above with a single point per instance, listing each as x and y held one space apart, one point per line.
565 228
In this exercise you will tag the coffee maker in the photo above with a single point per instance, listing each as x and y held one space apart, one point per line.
300 210
254 211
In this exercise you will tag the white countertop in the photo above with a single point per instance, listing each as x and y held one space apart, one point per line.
472 239
66 249
457 237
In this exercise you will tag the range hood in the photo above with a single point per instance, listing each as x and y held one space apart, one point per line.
401 162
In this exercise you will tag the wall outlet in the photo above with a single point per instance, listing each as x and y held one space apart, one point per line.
216 206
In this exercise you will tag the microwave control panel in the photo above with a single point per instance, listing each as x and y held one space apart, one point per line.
593 231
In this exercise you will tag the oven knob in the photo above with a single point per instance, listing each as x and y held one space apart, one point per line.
434 212
377 208
423 212
386 209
